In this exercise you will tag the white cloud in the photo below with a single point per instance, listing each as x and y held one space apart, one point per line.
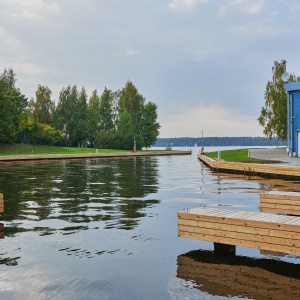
31 9
214 120
235 7
184 4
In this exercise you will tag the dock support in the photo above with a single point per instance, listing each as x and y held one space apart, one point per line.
224 249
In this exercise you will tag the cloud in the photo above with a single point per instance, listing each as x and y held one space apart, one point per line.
184 4
235 7
214 120
31 10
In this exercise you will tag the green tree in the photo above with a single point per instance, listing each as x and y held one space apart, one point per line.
64 113
43 106
80 119
150 129
93 117
132 102
12 105
106 124
71 116
273 115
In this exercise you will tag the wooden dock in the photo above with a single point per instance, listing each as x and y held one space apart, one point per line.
260 230
252 169
1 203
287 203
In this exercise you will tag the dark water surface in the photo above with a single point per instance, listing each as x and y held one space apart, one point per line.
107 229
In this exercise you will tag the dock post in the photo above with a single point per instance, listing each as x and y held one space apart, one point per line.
224 249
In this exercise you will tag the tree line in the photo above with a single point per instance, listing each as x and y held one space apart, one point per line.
118 119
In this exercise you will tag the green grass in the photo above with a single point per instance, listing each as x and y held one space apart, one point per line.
237 155
27 149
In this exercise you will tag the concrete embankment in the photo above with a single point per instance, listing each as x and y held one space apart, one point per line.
90 155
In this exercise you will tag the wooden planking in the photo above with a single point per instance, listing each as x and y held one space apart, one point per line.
251 168
249 229
280 202
1 203
224 279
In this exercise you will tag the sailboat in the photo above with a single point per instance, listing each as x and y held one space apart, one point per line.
195 144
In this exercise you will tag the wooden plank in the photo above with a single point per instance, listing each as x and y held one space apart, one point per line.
280 221
1 203
239 229
280 202
238 242
247 237
258 230
252 168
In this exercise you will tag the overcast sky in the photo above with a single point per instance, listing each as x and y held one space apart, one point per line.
205 63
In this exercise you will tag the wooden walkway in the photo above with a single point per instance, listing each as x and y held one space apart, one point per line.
287 203
269 170
90 155
261 230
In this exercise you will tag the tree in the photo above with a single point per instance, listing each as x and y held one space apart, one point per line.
71 116
12 105
106 124
93 117
273 115
150 130
132 102
43 106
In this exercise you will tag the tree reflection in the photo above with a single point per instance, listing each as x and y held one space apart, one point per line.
112 191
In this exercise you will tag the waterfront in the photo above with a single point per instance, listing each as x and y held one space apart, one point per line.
107 228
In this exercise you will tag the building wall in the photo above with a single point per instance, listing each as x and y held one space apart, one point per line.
295 120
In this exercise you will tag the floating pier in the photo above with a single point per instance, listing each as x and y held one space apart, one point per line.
286 203
230 228
252 169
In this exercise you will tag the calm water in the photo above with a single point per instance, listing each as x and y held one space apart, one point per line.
107 229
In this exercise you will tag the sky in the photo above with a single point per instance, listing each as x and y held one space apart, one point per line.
205 63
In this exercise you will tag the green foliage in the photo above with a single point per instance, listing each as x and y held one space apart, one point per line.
71 116
115 119
150 128
105 121
12 105
44 134
273 115
132 102
43 106
118 141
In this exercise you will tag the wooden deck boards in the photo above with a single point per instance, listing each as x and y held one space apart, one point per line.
280 202
269 170
261 230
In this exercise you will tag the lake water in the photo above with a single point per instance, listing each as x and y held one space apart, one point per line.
107 229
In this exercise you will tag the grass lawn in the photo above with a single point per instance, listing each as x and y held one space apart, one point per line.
236 155
27 149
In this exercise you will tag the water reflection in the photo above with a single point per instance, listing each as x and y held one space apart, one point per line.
112 191
239 276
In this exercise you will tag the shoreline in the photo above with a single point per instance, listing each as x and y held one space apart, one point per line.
90 155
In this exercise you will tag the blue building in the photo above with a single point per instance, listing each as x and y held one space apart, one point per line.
293 118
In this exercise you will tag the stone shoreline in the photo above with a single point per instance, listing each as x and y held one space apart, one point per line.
89 155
